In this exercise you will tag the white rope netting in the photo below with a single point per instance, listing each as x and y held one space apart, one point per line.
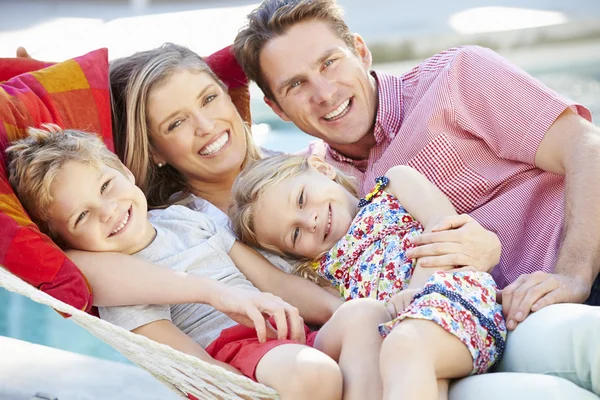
182 373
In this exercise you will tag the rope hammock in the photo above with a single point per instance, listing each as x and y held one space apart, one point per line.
184 374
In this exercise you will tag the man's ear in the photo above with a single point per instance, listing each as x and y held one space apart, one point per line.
363 51
321 166
276 109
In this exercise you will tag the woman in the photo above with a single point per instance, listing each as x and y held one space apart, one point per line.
159 133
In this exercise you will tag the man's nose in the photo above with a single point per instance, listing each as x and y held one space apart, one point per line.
324 90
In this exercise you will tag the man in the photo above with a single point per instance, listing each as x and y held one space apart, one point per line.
509 152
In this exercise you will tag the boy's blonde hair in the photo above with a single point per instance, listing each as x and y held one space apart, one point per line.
132 80
34 162
260 176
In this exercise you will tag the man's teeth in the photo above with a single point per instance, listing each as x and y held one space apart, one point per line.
338 111
216 145
121 225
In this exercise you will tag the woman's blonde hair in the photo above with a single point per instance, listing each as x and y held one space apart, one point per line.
132 81
260 176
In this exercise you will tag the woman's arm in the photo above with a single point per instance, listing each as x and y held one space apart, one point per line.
166 332
315 304
119 280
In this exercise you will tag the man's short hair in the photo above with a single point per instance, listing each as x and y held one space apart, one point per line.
34 162
272 19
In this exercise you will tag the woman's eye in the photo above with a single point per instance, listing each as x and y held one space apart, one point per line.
104 186
295 235
210 98
174 125
80 217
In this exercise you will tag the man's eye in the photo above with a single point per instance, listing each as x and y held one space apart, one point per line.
80 217
295 235
174 125
295 84
104 186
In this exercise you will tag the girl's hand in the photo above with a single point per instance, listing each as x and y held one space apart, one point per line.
399 302
252 308
457 241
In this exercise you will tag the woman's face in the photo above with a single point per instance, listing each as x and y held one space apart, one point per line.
196 129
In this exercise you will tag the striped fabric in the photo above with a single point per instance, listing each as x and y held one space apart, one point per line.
471 122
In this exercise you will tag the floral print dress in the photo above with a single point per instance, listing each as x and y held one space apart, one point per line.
370 261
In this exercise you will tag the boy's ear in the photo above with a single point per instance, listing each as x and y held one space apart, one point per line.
321 166
276 109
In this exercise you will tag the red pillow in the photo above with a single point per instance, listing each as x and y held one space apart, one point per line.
72 94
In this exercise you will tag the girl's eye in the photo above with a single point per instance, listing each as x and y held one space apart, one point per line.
174 125
104 186
295 235
209 98
328 62
80 217
301 199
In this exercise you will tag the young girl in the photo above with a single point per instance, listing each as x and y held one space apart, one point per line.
444 325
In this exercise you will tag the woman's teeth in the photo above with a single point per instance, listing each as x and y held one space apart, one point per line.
216 145
121 225
338 112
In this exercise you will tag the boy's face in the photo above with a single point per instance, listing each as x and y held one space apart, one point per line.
99 209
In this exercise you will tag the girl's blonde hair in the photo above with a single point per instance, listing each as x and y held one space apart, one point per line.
260 176
132 81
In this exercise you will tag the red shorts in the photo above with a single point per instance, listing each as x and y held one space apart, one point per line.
239 347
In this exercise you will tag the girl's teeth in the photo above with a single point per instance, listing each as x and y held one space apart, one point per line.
216 145
122 224
338 111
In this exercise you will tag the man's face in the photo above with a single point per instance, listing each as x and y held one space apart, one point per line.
322 86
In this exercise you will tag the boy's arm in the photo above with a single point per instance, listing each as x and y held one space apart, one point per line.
165 332
315 304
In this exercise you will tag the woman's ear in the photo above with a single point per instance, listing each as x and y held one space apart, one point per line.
321 166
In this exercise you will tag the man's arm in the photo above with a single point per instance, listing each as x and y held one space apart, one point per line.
166 332
571 147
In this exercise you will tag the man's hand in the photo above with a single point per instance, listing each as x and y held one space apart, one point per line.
532 292
252 308
457 240
22 53
399 302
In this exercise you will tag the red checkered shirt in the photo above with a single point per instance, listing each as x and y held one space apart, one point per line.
471 122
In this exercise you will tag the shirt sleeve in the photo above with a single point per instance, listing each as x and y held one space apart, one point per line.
132 317
502 104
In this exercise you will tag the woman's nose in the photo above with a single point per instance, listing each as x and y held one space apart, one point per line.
204 124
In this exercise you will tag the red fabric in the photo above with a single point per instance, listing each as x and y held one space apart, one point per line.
11 67
471 122
239 347
224 64
72 94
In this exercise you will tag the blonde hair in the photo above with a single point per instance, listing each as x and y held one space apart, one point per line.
254 181
132 81
34 162
273 18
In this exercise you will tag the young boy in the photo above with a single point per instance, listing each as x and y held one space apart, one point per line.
84 198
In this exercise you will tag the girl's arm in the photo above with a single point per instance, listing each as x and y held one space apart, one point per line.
166 332
425 202
315 304
120 280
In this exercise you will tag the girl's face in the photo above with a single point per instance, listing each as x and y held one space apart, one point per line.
307 214
196 129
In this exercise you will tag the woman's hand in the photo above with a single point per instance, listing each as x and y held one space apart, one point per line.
399 302
458 241
252 308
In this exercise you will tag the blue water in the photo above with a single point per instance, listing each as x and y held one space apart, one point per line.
23 319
